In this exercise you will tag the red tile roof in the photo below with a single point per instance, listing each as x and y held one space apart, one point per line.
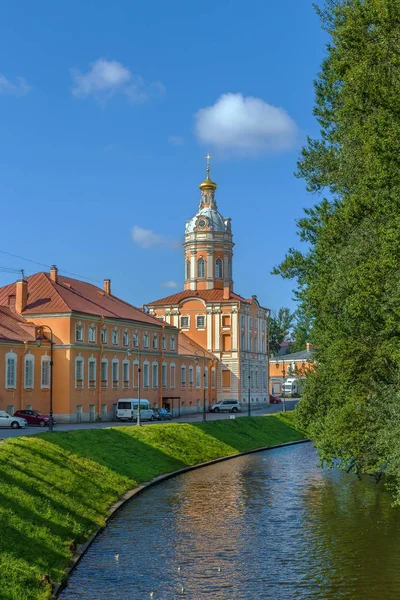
189 347
14 328
207 295
71 295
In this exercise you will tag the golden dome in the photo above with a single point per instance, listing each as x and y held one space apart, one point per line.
207 184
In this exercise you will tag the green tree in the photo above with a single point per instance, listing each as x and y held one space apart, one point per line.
348 278
280 328
302 330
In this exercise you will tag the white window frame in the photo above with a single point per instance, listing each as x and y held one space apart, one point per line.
201 271
29 359
125 338
145 340
115 337
154 374
81 360
198 377
104 382
188 321
213 377
125 381
164 375
164 342
155 341
45 358
92 333
79 327
172 375
146 374
172 343
104 335
197 321
183 376
92 382
114 382
135 363
190 377
135 340
219 269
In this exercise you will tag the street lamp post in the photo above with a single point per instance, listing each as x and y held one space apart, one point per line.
204 384
129 352
39 338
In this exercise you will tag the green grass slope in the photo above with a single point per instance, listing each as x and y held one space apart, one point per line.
56 489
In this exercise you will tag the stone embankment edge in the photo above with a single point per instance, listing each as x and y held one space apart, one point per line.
114 508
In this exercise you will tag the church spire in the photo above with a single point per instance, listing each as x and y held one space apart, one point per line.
207 184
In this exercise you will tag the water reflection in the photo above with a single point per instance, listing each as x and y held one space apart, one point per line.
266 526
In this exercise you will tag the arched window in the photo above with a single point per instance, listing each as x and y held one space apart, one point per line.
188 269
218 268
45 372
29 369
201 267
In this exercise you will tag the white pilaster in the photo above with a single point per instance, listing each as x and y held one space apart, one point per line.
217 329
209 329
193 270
210 270
235 341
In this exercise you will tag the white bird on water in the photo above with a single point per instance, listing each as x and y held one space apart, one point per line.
219 569
117 557
182 589
151 594
179 569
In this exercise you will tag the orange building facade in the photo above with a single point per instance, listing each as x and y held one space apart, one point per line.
98 343
233 329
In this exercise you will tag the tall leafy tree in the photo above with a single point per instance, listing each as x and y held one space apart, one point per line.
348 278
280 328
302 330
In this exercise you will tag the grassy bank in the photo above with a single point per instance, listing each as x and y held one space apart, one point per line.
55 489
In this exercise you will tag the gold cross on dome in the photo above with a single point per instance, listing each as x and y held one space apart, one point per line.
208 162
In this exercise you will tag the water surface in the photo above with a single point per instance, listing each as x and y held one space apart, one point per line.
268 526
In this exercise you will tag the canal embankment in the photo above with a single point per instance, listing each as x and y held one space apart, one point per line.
56 489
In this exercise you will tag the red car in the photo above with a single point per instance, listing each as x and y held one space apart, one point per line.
33 417
274 399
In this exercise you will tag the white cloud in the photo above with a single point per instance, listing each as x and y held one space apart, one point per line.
176 140
109 77
245 125
169 284
13 89
145 238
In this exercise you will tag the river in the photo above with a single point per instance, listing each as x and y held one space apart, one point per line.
268 526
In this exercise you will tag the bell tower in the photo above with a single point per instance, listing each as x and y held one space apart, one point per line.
208 244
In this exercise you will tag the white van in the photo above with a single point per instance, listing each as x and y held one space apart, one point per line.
127 409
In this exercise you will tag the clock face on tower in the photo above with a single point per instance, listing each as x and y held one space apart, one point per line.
202 223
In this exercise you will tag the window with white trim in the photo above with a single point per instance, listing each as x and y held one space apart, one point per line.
104 372
115 337
201 267
200 321
79 370
190 376
135 340
172 376
104 335
213 377
154 375
135 373
146 375
29 371
188 269
79 332
92 372
198 373
185 322
218 268
125 338
92 333
145 340
115 372
206 378
163 342
183 376
172 343
125 373
155 341
45 371
164 375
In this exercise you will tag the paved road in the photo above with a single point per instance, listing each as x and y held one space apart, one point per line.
31 430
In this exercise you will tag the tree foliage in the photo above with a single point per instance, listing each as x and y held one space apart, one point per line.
348 278
280 328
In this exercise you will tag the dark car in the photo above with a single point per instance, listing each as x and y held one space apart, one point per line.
274 399
161 414
33 417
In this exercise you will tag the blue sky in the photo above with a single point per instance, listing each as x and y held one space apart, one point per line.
107 111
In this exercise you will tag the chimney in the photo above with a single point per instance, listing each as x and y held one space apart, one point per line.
21 295
107 286
227 292
309 347
54 273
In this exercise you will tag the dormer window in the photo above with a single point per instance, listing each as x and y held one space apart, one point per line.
201 267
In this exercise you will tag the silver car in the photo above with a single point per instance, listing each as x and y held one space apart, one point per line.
7 420
232 406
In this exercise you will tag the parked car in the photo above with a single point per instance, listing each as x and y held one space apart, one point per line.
232 406
7 420
161 414
274 399
34 417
